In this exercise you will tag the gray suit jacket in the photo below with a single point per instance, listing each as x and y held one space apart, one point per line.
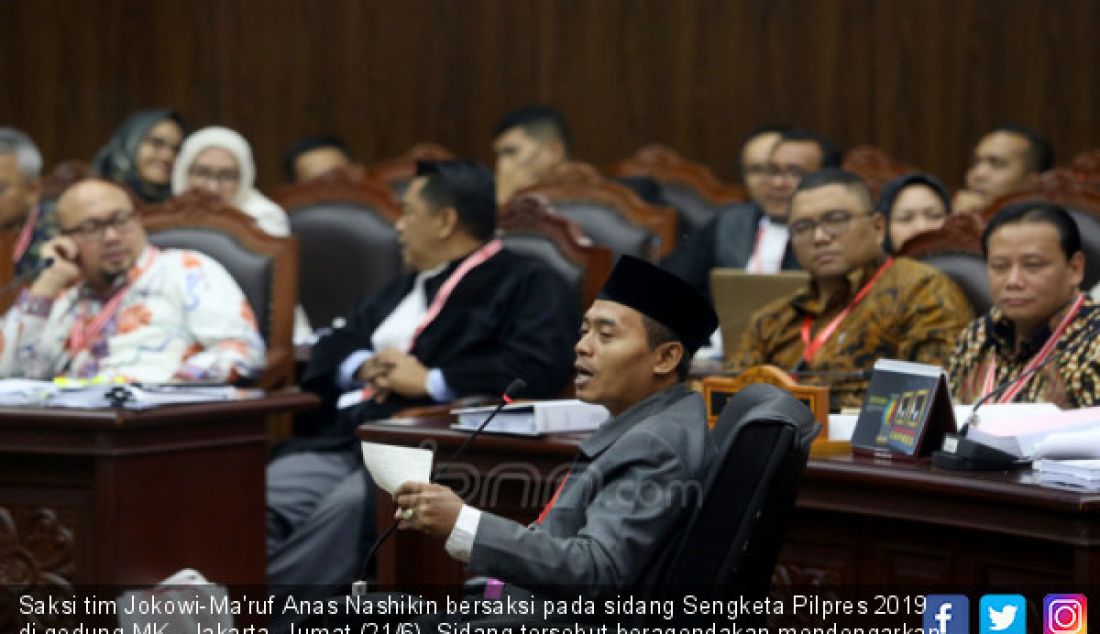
635 480
727 242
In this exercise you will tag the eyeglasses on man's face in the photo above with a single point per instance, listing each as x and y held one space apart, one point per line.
94 230
793 172
833 222
219 176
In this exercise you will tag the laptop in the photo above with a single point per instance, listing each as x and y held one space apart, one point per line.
738 294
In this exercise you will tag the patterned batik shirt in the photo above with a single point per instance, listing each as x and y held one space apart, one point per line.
181 316
913 312
1070 380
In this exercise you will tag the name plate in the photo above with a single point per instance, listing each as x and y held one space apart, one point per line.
906 412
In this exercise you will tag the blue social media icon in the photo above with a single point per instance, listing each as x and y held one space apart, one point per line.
1002 614
946 614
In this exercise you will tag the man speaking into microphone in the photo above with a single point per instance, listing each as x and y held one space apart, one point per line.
634 478
860 305
1040 340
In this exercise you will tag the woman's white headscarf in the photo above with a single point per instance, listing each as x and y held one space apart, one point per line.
269 216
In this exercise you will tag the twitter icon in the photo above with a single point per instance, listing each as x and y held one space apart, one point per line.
1002 614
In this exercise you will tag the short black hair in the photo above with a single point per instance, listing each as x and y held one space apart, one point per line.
540 122
308 144
468 187
1040 153
751 136
657 333
830 155
1069 236
835 176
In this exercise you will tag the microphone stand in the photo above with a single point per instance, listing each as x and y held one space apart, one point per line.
359 586
962 453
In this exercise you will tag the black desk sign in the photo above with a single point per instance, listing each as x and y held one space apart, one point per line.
906 412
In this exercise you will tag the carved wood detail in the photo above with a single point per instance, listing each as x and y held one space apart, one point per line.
664 164
580 182
341 185
395 170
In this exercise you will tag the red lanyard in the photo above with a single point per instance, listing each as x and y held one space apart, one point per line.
810 347
84 333
490 249
1039 358
25 234
549 505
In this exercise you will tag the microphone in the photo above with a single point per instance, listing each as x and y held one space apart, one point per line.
972 419
359 586
27 275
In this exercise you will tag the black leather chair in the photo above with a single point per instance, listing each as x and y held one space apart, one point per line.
1089 226
264 266
348 242
695 210
967 270
607 227
730 544
528 225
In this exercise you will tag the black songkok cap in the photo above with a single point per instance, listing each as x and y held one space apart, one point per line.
662 297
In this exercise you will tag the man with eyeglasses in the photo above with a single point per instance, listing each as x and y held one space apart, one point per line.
20 187
753 236
860 305
112 305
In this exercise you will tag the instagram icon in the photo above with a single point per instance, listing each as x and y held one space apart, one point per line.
1065 614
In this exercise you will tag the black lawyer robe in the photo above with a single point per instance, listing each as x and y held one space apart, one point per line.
511 316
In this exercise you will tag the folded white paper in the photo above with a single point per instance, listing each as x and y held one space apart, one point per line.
391 465
1070 445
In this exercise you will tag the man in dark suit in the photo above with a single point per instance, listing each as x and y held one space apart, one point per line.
635 478
468 319
754 236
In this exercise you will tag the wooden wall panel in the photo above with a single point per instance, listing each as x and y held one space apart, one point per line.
920 78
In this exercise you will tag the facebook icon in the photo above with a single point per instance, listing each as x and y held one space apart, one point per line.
946 614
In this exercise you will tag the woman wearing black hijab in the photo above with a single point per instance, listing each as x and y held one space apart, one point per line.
912 203
141 153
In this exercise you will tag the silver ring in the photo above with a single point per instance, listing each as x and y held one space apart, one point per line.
408 515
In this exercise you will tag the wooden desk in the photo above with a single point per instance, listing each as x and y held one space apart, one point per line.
126 498
855 521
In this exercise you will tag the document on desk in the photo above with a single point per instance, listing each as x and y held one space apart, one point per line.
393 465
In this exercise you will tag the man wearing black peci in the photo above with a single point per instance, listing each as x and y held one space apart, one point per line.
635 478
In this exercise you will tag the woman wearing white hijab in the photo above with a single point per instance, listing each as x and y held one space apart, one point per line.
220 160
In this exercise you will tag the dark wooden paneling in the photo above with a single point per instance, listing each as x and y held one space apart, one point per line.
920 78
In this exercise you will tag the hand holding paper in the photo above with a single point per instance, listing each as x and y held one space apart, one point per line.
391 466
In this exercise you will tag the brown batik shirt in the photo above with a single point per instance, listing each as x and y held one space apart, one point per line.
912 313
1069 380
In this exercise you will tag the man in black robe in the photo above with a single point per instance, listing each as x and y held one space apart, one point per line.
467 320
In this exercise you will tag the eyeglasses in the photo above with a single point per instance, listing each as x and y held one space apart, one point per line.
95 230
786 171
221 177
834 223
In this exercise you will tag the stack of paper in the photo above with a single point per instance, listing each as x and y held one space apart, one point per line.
1076 474
532 419
104 394
1020 436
